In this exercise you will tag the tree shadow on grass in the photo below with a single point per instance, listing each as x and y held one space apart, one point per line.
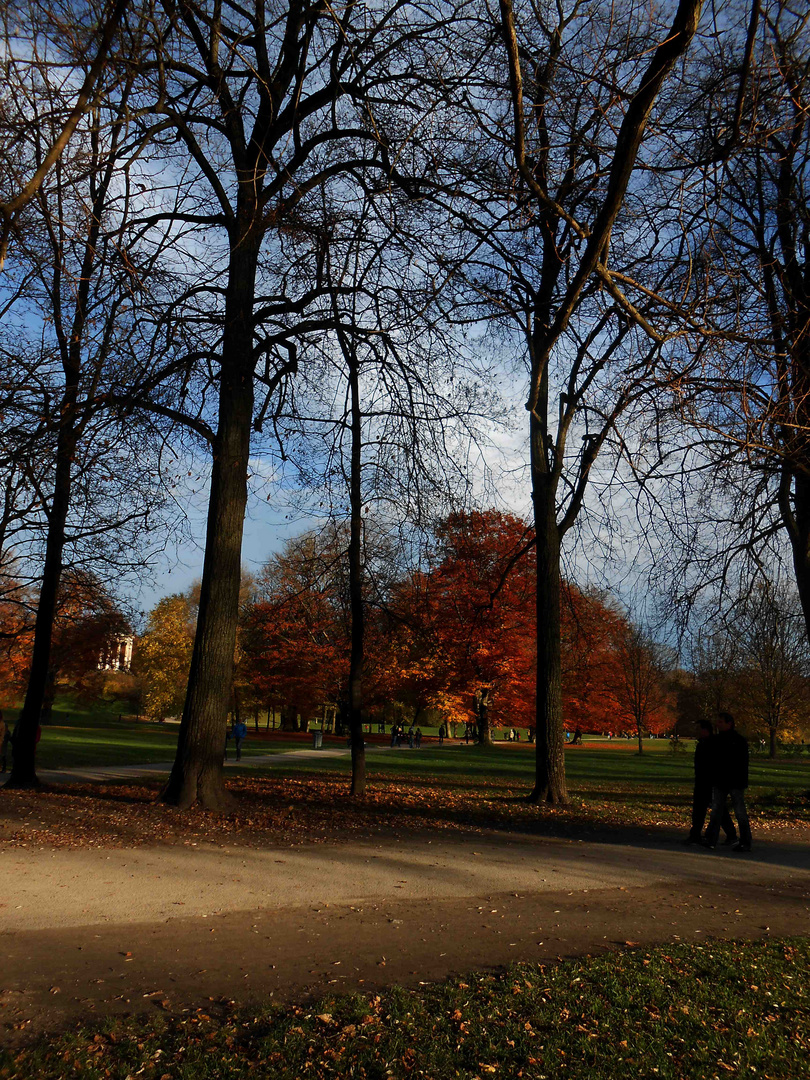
279 810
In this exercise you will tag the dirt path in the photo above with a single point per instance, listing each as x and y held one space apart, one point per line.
118 929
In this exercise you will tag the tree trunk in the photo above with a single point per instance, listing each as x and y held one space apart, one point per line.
799 534
23 769
358 787
289 718
772 738
640 740
41 678
197 774
46 716
550 786
484 730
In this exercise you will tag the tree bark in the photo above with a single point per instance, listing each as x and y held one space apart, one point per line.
484 730
40 677
799 535
549 786
23 769
551 315
356 660
772 738
197 775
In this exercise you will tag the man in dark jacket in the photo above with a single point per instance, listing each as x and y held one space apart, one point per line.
702 797
729 773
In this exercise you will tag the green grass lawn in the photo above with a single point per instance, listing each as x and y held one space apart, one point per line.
82 735
607 782
594 765
679 1012
607 770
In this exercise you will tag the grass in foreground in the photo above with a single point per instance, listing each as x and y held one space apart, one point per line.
725 1009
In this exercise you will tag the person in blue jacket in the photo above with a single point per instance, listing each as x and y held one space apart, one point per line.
239 733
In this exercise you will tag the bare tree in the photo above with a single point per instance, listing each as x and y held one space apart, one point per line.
266 108
749 397
41 31
641 666
384 405
559 185
775 660
78 299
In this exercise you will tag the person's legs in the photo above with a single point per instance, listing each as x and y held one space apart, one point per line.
727 825
741 814
718 806
701 799
238 749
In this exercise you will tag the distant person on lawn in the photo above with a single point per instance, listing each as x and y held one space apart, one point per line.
239 733
702 795
729 760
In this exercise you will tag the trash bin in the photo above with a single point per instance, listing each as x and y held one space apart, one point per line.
317 740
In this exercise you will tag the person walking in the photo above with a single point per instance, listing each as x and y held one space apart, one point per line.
702 794
442 733
729 774
239 733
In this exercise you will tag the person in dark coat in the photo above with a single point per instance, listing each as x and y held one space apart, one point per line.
729 774
702 795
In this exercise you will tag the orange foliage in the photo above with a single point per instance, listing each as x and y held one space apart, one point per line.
293 645
16 641
463 627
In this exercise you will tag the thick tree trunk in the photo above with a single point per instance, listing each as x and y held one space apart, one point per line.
550 786
197 774
23 769
772 738
484 730
640 740
289 718
50 696
356 585
800 541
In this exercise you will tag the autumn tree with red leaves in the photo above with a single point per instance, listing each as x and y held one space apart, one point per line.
293 643
479 608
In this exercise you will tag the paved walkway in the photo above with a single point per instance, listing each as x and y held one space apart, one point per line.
160 769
